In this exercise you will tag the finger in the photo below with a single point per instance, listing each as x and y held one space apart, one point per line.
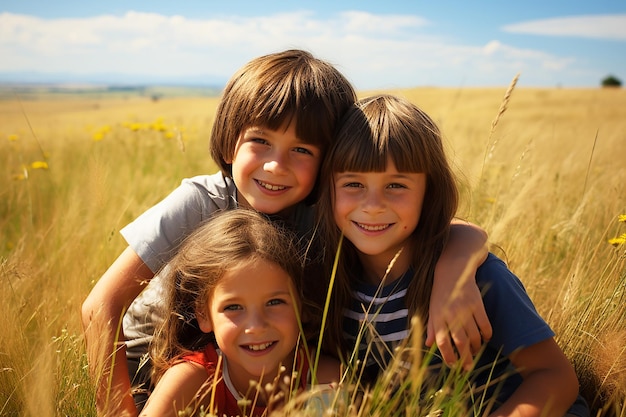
467 359
446 348
482 321
461 342
474 338
430 333
463 347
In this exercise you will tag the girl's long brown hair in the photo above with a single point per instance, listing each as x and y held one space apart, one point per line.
373 130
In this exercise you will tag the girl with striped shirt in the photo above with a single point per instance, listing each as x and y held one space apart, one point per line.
387 212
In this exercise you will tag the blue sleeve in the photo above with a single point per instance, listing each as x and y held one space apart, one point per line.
514 319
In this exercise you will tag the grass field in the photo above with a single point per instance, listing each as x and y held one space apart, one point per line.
545 175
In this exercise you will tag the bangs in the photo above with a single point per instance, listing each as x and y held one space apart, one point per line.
272 107
370 138
355 154
308 127
276 90
292 96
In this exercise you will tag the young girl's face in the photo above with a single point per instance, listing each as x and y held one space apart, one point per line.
378 211
252 313
273 169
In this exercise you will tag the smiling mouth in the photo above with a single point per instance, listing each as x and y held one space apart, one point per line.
373 228
259 347
271 187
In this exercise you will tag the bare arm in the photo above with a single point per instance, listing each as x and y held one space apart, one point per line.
550 384
457 317
181 385
102 314
328 370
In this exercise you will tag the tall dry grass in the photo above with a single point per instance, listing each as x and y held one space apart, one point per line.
545 177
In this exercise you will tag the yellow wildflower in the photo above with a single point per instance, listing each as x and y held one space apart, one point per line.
101 132
13 137
617 241
621 218
136 126
158 125
39 165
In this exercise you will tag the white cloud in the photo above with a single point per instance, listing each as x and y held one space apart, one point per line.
372 50
369 24
597 27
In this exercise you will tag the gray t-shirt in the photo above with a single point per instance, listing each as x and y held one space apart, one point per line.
156 234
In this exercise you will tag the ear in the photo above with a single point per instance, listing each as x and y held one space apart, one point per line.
204 321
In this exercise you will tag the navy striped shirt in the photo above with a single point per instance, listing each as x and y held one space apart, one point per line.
377 320
378 316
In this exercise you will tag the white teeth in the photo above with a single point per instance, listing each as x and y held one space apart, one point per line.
373 228
271 187
261 346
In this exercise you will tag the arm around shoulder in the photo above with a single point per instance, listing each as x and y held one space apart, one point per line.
102 313
457 316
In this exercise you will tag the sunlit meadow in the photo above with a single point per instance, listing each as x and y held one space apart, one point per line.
542 170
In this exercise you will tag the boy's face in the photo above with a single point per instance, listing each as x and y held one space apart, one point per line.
273 169
252 313
378 212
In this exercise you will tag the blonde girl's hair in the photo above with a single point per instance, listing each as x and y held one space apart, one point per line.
377 129
223 243
271 91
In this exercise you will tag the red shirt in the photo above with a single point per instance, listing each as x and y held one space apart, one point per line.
225 402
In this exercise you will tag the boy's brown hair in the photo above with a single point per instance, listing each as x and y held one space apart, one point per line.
274 89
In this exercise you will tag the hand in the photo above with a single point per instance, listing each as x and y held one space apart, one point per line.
457 320
460 326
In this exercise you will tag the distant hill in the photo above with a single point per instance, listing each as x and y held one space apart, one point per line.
154 86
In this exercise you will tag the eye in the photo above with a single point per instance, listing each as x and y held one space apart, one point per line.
276 301
303 151
352 185
233 307
260 141
396 185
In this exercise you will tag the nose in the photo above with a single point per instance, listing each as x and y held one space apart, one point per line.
255 322
373 201
276 164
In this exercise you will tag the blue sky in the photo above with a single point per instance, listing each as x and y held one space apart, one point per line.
376 44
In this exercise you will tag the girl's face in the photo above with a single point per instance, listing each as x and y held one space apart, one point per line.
273 169
377 212
252 313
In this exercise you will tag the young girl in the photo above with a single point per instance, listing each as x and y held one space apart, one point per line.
392 195
276 118
231 318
